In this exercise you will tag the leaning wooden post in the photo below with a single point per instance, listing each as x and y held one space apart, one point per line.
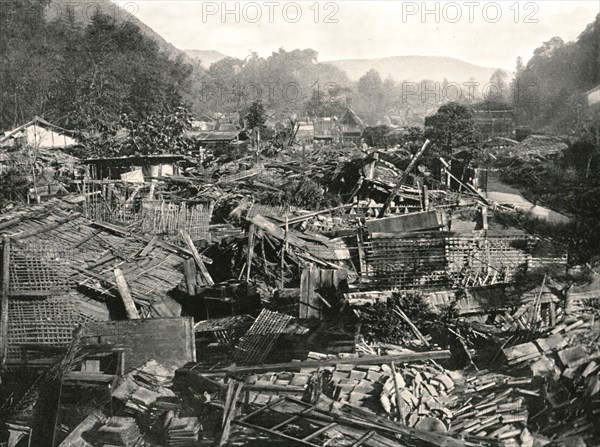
251 234
284 248
130 308
400 405
402 177
4 298
233 394
203 270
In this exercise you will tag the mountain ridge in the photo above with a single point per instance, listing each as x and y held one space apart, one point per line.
415 68
206 57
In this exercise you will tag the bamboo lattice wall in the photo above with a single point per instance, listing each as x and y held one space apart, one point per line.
159 217
442 260
39 267
49 321
124 204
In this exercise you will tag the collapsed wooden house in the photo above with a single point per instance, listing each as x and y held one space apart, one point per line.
61 269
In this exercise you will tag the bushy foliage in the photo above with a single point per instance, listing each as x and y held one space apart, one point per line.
581 236
159 132
381 323
14 184
375 135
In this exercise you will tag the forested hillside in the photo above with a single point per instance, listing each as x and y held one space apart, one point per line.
80 76
548 90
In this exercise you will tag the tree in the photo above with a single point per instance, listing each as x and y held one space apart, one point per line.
451 127
498 87
255 116
370 99
157 133
370 84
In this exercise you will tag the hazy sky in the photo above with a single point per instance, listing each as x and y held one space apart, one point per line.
485 33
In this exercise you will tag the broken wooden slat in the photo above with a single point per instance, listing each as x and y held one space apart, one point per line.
310 305
320 431
229 411
130 308
188 240
148 248
399 406
251 233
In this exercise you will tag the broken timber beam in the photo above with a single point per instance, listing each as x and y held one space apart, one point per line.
233 395
130 308
402 177
251 233
367 360
188 240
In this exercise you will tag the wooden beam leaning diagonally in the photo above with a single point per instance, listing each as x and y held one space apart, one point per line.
130 308
188 240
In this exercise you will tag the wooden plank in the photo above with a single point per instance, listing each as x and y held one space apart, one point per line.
148 248
4 297
361 254
310 304
251 234
169 341
230 414
271 404
125 294
304 292
320 431
37 293
277 232
189 271
188 240
315 306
